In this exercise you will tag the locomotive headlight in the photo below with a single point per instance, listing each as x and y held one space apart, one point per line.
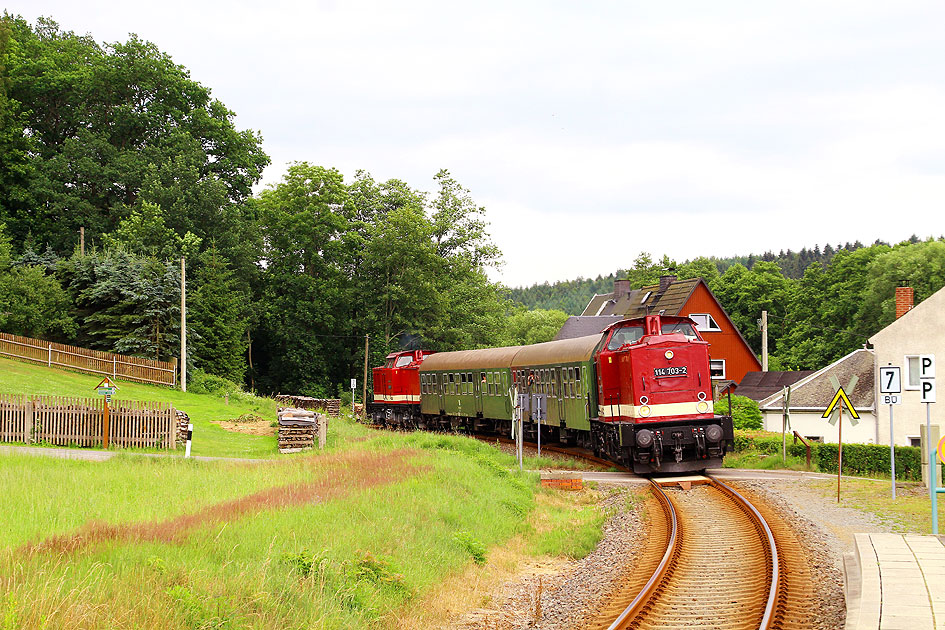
669 354
703 406
644 411
644 438
713 433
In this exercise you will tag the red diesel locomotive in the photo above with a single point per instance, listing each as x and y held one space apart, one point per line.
639 393
397 388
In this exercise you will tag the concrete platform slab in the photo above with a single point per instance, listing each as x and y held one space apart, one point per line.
895 582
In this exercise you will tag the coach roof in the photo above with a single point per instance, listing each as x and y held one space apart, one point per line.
555 352
462 360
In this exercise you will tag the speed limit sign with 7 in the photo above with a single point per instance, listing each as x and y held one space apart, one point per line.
890 385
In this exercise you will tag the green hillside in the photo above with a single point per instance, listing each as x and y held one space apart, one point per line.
209 439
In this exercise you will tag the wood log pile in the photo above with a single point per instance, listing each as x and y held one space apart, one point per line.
298 429
182 421
328 406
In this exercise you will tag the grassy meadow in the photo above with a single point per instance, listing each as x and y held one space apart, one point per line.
349 537
17 377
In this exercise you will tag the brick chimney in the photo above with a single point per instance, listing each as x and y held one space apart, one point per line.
621 288
903 301
665 281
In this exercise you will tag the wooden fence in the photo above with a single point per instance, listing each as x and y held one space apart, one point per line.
117 366
80 421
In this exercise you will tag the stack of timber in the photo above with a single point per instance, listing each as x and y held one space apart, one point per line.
298 429
182 421
329 406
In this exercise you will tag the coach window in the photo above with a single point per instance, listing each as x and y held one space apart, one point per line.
577 379
470 383
717 368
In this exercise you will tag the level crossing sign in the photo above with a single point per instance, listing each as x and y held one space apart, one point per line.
837 398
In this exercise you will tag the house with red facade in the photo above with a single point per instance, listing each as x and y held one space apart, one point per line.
730 354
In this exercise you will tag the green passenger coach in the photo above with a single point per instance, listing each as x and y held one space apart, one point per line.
468 384
479 387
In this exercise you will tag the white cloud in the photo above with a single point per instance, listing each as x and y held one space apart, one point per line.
591 131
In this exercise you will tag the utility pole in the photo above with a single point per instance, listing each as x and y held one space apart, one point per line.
364 386
82 241
183 325
764 341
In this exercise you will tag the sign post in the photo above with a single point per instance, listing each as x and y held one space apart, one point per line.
927 391
840 399
940 451
354 386
106 388
890 384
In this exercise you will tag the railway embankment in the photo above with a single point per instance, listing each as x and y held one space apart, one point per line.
815 531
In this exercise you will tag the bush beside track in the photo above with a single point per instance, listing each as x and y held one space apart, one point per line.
866 460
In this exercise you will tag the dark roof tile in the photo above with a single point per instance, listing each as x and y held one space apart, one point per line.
583 325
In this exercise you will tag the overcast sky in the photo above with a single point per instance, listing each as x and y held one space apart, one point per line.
590 131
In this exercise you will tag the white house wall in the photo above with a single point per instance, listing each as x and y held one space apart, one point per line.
920 331
811 424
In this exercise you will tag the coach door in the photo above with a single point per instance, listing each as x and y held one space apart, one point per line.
559 396
479 386
439 384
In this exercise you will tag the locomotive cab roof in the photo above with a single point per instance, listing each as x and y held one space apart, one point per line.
653 329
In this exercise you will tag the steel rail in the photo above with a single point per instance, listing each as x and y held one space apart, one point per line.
769 615
672 550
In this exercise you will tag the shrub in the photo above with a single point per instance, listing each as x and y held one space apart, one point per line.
858 459
745 412
200 382
475 548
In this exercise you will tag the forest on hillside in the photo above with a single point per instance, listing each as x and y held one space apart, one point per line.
283 286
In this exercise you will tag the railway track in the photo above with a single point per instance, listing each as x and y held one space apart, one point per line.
719 567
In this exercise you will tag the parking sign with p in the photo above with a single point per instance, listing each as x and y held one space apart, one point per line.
927 378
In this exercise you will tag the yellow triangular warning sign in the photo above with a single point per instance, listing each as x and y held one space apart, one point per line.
840 395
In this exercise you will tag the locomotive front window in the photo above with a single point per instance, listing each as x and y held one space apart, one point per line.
625 335
679 327
403 360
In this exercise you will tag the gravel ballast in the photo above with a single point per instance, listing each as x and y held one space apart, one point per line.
573 597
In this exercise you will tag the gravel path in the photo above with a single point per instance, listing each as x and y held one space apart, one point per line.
570 599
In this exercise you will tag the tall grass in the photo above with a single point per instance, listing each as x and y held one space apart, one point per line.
346 561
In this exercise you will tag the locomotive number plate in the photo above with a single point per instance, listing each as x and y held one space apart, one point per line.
680 370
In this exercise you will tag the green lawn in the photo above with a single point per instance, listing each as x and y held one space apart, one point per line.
18 377
390 515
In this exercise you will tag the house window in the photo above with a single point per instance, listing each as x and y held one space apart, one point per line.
914 440
717 368
705 322
912 371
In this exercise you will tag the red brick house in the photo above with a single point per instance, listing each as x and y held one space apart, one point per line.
731 356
